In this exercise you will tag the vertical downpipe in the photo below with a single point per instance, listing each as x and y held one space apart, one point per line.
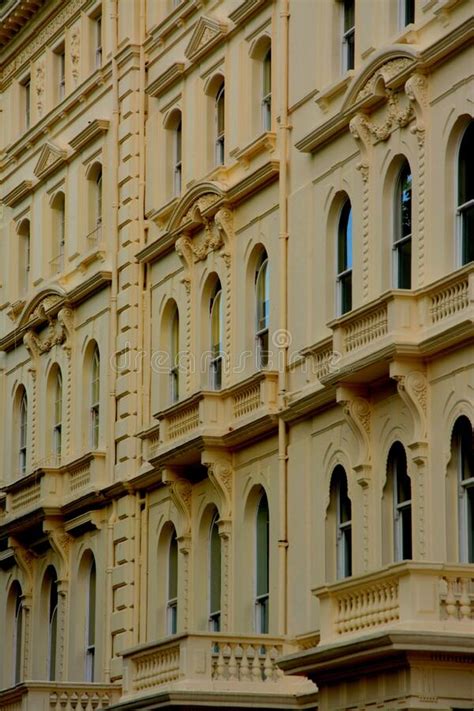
283 324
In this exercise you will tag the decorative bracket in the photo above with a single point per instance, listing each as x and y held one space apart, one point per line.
180 492
220 473
60 542
412 388
357 412
24 558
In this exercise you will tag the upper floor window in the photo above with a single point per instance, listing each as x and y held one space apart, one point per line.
23 433
348 36
403 229
177 150
465 210
98 41
17 635
172 604
402 506
216 318
463 445
52 628
220 125
91 622
262 288
344 259
343 523
26 101
59 233
262 573
60 61
267 91
174 357
407 12
24 263
214 576
58 413
95 399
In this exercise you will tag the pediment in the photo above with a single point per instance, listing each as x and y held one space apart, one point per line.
198 200
51 158
385 71
208 32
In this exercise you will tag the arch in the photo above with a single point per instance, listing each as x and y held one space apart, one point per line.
54 391
262 310
47 297
465 196
21 430
344 258
214 83
170 343
50 610
172 118
191 197
393 53
397 528
92 391
339 527
213 303
460 490
403 227
14 633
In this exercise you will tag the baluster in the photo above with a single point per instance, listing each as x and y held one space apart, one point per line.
232 663
267 666
244 665
464 601
220 663
450 599
256 670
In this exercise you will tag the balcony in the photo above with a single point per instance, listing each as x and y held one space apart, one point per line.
404 323
54 483
193 665
223 418
406 596
58 696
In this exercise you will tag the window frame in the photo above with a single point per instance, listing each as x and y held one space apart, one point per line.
23 434
406 12
90 646
53 611
18 638
343 529
215 614
266 101
398 461
215 365
401 240
57 414
219 109
172 602
262 599
348 38
177 157
174 354
262 322
95 399
465 487
345 233
462 208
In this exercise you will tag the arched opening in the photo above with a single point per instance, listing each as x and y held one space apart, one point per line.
50 598
91 623
15 607
267 90
58 233
339 521
462 456
216 333
220 125
262 567
172 597
262 290
215 581
21 430
344 259
94 408
465 208
174 355
397 538
55 396
24 256
402 244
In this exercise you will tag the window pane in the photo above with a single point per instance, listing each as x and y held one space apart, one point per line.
215 569
263 297
409 11
405 203
263 547
346 292
470 524
173 569
92 606
404 265
349 14
406 533
220 106
267 73
344 252
18 638
466 166
216 324
467 231
347 546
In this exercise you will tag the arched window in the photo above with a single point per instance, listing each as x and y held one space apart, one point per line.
174 357
463 446
98 204
344 259
17 635
220 125
57 413
465 209
400 485
177 150
94 207
59 233
403 229
52 627
90 622
214 576
343 523
172 604
24 261
216 317
267 91
95 399
23 433
262 288
262 572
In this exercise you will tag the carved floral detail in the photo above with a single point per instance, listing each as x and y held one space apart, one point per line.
217 231
75 53
385 73
58 332
39 87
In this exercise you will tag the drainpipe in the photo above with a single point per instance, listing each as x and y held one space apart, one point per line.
113 251
283 340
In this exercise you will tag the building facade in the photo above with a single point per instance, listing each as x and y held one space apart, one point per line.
236 354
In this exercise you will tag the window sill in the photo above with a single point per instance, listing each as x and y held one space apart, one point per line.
264 143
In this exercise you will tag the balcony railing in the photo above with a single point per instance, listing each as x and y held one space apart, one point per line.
204 662
220 414
432 597
58 696
423 319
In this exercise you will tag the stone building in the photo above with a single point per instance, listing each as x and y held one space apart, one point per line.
236 354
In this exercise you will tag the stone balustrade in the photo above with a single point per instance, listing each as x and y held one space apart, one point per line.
203 661
58 696
434 597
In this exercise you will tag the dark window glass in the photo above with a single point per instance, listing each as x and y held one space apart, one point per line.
466 194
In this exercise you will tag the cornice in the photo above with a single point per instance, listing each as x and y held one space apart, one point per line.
94 129
18 193
246 9
167 79
172 22
14 15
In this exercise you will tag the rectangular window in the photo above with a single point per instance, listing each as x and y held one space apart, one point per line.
348 36
60 57
407 12
26 102
98 41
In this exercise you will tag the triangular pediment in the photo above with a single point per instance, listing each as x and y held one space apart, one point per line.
207 33
51 158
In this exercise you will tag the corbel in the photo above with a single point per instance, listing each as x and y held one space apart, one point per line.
180 492
24 558
413 390
220 472
224 221
357 412
359 130
60 542
416 88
